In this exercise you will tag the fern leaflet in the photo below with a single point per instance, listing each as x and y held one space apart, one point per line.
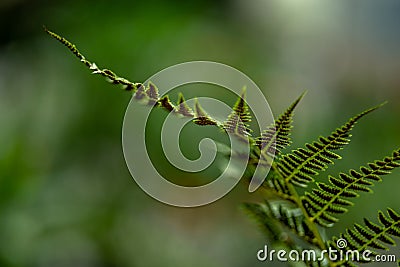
183 107
278 217
238 121
277 136
299 166
329 199
371 236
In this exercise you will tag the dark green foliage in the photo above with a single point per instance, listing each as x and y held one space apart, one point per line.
238 121
277 136
201 117
287 218
282 220
371 236
278 187
330 199
69 45
302 164
166 103
262 215
140 93
152 94
183 108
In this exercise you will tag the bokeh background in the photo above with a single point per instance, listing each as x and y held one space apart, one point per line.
66 196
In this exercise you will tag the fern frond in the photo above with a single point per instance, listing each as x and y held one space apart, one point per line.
201 117
278 188
182 108
277 136
147 95
108 74
371 236
140 93
69 45
261 214
238 121
302 164
285 216
166 103
329 199
279 217
152 94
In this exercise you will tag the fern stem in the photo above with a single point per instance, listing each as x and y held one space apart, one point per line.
108 74
318 240
313 227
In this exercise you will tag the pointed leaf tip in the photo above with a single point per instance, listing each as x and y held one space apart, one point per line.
182 108
243 93
297 101
199 111
202 118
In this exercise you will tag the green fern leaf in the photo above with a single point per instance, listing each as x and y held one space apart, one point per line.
371 236
69 45
242 109
299 166
277 188
261 214
329 199
201 117
108 74
152 94
280 219
183 108
277 136
140 93
166 103
284 215
238 121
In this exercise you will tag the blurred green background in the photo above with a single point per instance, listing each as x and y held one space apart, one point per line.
66 196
